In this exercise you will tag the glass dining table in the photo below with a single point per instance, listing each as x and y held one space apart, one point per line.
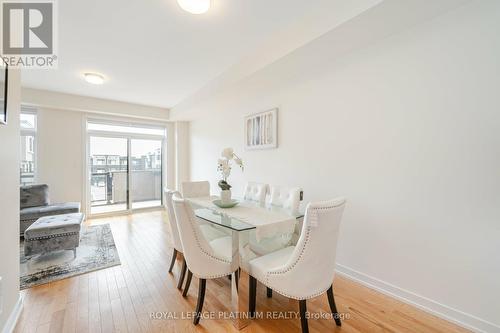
266 221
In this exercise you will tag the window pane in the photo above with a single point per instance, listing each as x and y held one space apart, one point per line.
146 173
27 159
109 175
28 148
28 121
125 129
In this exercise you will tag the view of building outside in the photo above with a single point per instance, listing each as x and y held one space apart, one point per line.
146 182
28 148
109 173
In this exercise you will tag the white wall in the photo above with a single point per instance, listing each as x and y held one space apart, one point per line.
181 152
60 153
408 129
9 203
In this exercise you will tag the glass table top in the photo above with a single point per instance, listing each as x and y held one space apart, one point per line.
221 219
224 219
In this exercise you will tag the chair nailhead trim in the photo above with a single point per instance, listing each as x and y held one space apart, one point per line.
202 249
214 276
289 268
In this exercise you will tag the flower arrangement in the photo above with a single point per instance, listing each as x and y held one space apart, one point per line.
224 166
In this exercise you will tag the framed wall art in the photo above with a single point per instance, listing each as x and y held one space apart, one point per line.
261 130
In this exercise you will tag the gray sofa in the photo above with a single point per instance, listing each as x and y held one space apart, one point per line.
35 203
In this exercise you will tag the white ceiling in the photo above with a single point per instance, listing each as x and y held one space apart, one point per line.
154 53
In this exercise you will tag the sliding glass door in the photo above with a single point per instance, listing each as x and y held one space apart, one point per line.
146 162
108 174
125 167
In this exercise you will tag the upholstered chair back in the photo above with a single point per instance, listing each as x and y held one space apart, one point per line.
200 257
255 192
313 259
286 197
195 189
171 218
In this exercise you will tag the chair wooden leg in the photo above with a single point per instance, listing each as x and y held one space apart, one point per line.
183 272
269 292
333 306
237 278
201 298
188 283
303 319
174 256
252 295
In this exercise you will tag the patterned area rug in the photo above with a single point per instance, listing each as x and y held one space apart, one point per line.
97 250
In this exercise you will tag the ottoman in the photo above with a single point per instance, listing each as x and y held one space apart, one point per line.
53 233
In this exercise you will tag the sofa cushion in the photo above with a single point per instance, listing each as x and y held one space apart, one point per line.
34 195
55 209
52 226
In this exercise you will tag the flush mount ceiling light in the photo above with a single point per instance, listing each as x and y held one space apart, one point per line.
195 6
94 78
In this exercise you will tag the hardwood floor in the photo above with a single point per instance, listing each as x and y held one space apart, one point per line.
121 298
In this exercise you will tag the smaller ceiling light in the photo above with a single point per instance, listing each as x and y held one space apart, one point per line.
195 6
94 78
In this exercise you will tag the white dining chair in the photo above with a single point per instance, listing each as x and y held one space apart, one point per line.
177 245
209 232
255 192
287 198
205 260
195 189
306 270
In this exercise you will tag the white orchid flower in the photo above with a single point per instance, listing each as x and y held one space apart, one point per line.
228 153
224 163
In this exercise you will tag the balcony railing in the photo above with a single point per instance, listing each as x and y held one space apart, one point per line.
27 178
109 188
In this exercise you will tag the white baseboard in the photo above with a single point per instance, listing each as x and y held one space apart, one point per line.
10 325
458 317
